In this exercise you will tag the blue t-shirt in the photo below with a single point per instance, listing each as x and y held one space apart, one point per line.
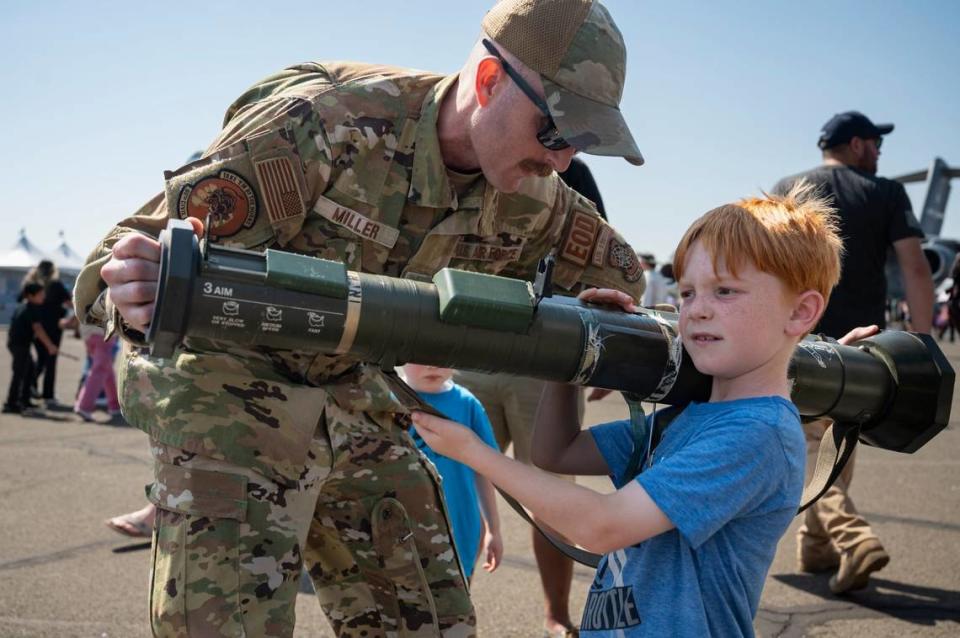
459 488
729 475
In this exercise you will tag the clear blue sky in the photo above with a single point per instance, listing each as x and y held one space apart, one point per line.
723 98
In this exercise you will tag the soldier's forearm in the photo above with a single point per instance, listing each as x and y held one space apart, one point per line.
556 425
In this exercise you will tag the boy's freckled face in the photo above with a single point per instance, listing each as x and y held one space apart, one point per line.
427 378
733 327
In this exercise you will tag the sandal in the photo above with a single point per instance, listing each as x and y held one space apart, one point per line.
130 525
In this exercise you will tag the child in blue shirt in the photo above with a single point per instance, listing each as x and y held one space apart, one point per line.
688 541
471 501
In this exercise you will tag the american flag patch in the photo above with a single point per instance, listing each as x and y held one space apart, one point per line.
280 188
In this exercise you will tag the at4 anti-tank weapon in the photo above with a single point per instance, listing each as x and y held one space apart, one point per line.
896 387
892 390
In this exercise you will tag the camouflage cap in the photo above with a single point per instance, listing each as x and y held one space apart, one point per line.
579 53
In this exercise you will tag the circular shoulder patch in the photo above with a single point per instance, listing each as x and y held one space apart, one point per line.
226 199
622 257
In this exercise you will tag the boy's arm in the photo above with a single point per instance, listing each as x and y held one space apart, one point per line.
44 338
492 545
597 522
558 444
488 503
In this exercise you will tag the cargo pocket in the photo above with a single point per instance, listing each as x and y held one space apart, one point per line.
429 586
396 545
452 602
195 581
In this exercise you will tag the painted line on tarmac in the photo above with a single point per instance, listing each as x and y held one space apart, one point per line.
53 557
917 522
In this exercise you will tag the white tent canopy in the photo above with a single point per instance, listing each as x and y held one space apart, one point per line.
66 258
24 254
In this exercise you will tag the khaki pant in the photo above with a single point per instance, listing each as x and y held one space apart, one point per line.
366 518
511 405
833 520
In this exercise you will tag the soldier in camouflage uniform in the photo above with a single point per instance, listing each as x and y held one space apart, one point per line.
267 460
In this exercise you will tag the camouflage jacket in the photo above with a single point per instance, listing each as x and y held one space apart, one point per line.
340 161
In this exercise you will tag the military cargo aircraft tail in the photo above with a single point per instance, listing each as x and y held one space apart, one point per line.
939 252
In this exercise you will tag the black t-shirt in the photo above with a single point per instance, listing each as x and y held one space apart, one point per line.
873 213
20 332
579 178
52 310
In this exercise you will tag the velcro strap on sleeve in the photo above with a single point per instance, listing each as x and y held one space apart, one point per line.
199 492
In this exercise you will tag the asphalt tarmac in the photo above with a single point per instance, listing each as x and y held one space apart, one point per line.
64 574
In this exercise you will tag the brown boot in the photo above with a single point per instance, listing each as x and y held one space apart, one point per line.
815 555
856 565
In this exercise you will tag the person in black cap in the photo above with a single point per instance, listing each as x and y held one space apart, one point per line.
874 213
852 139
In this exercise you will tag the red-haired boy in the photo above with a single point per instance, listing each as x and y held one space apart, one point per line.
688 541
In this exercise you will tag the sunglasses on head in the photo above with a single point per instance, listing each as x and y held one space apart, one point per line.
548 135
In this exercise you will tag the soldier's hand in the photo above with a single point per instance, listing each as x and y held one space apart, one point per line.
608 296
857 334
597 393
131 276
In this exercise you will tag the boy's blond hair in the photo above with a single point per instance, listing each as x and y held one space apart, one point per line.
793 237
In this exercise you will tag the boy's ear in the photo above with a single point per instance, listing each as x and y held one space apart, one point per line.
808 306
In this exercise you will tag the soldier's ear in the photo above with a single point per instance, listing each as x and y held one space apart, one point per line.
489 74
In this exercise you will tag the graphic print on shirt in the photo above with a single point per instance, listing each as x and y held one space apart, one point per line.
610 604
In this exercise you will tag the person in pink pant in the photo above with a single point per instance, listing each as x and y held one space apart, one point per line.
100 377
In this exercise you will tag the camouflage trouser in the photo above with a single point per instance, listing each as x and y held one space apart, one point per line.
366 517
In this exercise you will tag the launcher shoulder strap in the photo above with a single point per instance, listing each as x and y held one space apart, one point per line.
646 436
836 446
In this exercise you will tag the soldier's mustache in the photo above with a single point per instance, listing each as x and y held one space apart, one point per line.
537 168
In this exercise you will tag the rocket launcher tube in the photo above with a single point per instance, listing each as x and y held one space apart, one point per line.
897 385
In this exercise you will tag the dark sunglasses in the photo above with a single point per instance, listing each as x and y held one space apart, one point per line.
548 135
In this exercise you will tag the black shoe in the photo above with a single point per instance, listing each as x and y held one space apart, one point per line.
11 409
53 404
29 404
